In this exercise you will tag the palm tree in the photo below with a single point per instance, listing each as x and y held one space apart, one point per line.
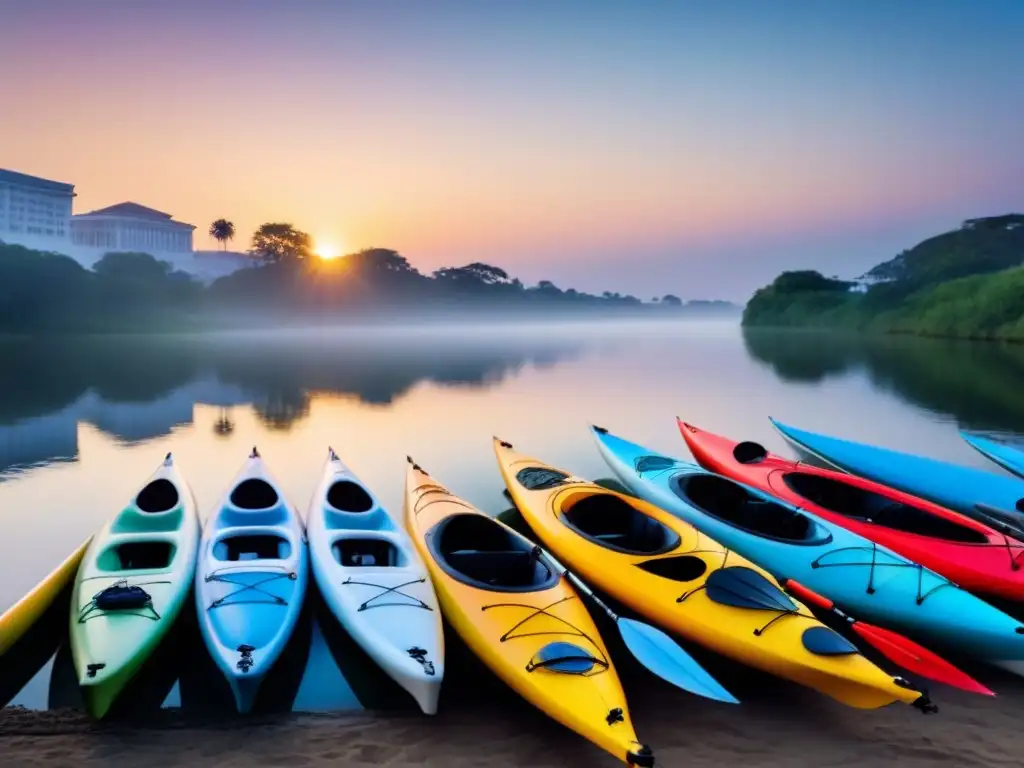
222 230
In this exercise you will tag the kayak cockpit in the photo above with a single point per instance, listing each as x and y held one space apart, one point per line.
612 522
254 494
350 497
482 553
136 556
158 496
861 504
243 547
735 505
365 552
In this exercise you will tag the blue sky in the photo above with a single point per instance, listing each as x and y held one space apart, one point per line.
697 147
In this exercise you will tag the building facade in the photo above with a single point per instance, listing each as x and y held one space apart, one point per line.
131 227
34 211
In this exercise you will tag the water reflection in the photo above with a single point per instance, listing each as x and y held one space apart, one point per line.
136 389
96 416
977 383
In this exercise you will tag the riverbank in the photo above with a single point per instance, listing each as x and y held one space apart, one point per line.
987 307
778 725
967 283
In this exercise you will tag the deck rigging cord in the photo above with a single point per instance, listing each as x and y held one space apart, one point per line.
243 587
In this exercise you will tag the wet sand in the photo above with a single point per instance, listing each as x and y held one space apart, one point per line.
778 724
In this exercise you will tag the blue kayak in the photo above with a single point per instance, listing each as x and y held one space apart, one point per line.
250 579
1009 458
985 496
866 580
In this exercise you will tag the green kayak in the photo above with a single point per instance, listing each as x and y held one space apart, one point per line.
131 586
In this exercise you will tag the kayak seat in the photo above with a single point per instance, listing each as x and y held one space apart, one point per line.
479 551
257 547
861 504
136 556
612 522
363 553
158 496
735 505
513 568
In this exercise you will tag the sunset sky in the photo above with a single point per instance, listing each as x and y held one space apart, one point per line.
691 147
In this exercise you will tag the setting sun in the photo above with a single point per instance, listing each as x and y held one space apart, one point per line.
327 252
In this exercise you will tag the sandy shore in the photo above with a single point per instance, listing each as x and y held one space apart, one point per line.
778 724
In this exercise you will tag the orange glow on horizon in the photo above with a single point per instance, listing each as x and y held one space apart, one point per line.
326 251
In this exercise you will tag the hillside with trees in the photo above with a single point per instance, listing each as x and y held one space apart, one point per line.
44 292
968 283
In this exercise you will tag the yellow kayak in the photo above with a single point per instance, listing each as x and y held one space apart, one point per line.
664 569
21 616
523 619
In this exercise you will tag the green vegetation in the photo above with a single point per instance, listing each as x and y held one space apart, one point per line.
133 292
963 284
49 292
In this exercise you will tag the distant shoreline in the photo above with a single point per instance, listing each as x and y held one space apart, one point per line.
49 293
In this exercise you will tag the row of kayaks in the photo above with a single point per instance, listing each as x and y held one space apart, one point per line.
248 570
730 553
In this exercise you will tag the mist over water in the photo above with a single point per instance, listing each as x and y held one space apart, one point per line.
84 421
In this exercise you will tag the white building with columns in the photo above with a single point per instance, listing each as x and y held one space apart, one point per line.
34 212
37 213
131 227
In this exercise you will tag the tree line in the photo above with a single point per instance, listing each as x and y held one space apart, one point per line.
44 292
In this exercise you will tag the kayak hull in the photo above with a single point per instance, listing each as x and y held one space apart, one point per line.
1009 458
374 582
671 585
20 617
149 548
966 551
865 580
509 628
950 485
250 580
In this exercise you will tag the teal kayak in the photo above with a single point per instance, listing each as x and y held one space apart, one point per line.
863 578
131 586
1009 458
992 498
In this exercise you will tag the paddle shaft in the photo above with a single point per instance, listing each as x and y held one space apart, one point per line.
580 585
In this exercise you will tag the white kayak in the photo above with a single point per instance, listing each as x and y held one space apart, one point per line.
131 586
250 579
375 583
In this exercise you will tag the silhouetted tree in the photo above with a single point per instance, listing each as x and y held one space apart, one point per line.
277 242
222 230
377 260
671 300
477 272
548 289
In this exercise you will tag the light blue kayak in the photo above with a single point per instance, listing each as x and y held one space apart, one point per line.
864 579
1009 458
985 496
250 579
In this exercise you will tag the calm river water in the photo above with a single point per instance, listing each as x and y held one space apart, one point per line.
83 422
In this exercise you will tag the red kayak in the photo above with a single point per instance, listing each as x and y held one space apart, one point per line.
967 552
